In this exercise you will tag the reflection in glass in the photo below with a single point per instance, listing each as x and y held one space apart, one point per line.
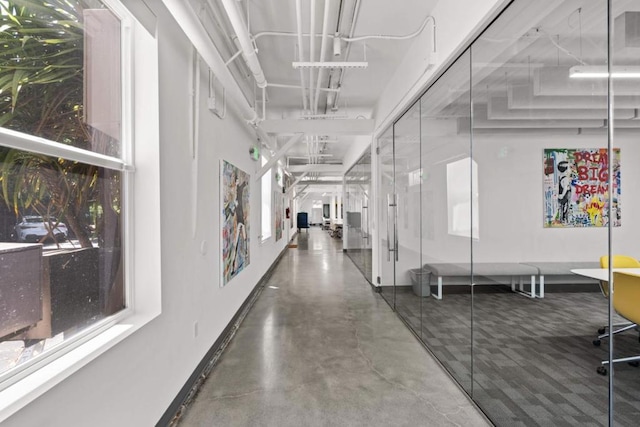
534 361
446 164
459 199
357 222
60 251
404 211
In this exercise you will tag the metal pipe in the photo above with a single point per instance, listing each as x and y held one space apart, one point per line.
264 103
325 29
356 10
406 37
248 51
312 49
300 52
192 27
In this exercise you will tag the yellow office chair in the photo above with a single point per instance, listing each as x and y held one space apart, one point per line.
619 261
626 302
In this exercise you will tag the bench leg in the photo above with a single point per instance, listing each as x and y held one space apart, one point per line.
533 286
520 289
438 295
541 293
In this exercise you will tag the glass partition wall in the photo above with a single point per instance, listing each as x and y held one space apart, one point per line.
534 361
622 210
501 222
357 218
386 218
446 218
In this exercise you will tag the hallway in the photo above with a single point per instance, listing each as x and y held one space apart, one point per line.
319 347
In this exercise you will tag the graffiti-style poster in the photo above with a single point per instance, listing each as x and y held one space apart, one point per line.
277 207
576 187
235 221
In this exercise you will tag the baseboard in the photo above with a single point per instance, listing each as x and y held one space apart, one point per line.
190 389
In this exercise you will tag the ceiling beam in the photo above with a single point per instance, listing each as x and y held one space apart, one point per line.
296 182
332 182
300 192
322 168
319 127
281 152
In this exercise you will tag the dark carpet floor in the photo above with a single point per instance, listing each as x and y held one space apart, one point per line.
534 363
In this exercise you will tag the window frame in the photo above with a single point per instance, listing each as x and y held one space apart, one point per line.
265 198
140 236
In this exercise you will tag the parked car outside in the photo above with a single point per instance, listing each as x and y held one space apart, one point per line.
33 228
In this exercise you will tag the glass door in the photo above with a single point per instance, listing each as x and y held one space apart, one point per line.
406 209
365 189
387 216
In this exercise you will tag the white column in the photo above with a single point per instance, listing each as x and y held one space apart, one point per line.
332 207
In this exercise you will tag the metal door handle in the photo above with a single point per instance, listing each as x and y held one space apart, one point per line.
388 238
395 227
365 234
393 207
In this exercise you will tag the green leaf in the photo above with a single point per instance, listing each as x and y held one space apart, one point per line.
15 87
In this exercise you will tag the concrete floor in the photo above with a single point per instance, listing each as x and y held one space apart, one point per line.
320 348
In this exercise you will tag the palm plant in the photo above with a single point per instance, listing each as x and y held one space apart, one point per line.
41 93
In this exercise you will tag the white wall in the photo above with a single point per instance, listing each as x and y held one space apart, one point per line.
134 383
419 67
510 185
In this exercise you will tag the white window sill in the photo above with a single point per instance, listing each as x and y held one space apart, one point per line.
263 241
52 372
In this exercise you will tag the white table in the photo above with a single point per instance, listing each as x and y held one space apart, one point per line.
603 273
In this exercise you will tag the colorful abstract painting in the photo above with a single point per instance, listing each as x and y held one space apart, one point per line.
576 187
235 221
277 207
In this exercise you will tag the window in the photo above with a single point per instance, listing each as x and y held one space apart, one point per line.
266 203
64 172
414 177
459 200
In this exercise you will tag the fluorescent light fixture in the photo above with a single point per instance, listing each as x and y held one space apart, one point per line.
349 64
600 72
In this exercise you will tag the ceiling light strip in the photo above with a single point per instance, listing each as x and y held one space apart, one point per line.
350 64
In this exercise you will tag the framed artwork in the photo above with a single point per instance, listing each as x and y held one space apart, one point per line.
576 187
235 214
278 209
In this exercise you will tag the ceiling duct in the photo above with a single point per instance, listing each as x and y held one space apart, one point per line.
192 27
248 50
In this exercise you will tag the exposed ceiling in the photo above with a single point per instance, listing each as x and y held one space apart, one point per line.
521 71
332 98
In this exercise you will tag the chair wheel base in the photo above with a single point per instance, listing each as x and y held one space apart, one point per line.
601 331
635 364
596 343
601 370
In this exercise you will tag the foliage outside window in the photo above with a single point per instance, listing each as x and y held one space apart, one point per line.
60 89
